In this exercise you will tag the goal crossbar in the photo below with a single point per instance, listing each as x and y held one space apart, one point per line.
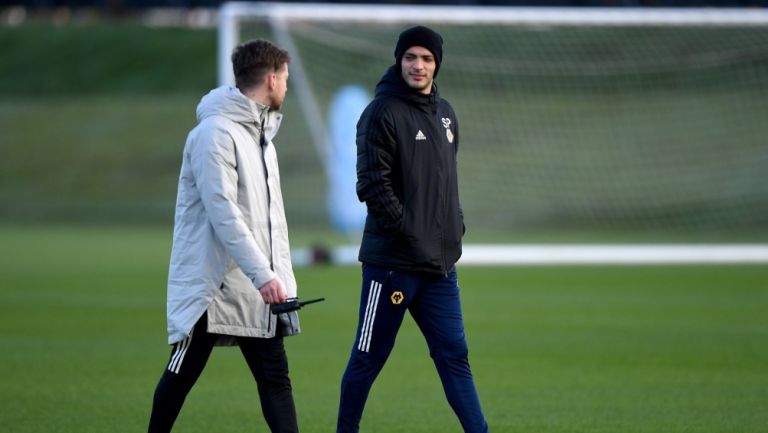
599 16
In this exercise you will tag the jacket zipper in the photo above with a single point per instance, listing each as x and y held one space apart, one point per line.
263 145
444 203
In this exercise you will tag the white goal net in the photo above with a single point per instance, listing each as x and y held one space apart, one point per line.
608 123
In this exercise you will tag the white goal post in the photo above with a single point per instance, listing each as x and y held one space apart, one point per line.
673 181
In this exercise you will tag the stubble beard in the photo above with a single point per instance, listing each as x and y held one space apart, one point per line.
419 87
275 104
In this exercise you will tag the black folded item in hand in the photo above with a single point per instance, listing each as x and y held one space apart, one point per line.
292 304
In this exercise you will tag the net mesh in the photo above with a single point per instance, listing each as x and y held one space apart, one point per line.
595 128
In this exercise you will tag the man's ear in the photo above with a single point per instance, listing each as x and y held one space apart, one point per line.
272 80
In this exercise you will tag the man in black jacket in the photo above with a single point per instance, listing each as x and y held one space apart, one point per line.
407 140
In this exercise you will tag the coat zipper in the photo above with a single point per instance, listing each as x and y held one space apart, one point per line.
263 145
444 203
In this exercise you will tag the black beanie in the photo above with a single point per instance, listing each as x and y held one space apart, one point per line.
423 37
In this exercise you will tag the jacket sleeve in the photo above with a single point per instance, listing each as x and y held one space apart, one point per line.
213 164
376 159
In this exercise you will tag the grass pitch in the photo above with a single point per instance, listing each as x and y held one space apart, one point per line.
553 349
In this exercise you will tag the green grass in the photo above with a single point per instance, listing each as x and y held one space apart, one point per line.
117 159
106 58
96 156
553 349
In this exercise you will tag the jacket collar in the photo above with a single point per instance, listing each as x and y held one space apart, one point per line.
272 124
392 84
229 102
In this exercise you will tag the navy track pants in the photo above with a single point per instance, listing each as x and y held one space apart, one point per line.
433 301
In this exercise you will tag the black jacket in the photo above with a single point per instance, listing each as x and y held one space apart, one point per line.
406 175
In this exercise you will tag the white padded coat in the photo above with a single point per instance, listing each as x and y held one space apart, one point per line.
230 234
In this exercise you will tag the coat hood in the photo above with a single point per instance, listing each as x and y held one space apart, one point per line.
392 84
229 102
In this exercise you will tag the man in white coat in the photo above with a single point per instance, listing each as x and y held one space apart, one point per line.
230 255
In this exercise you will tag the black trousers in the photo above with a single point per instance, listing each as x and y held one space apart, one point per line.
266 359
